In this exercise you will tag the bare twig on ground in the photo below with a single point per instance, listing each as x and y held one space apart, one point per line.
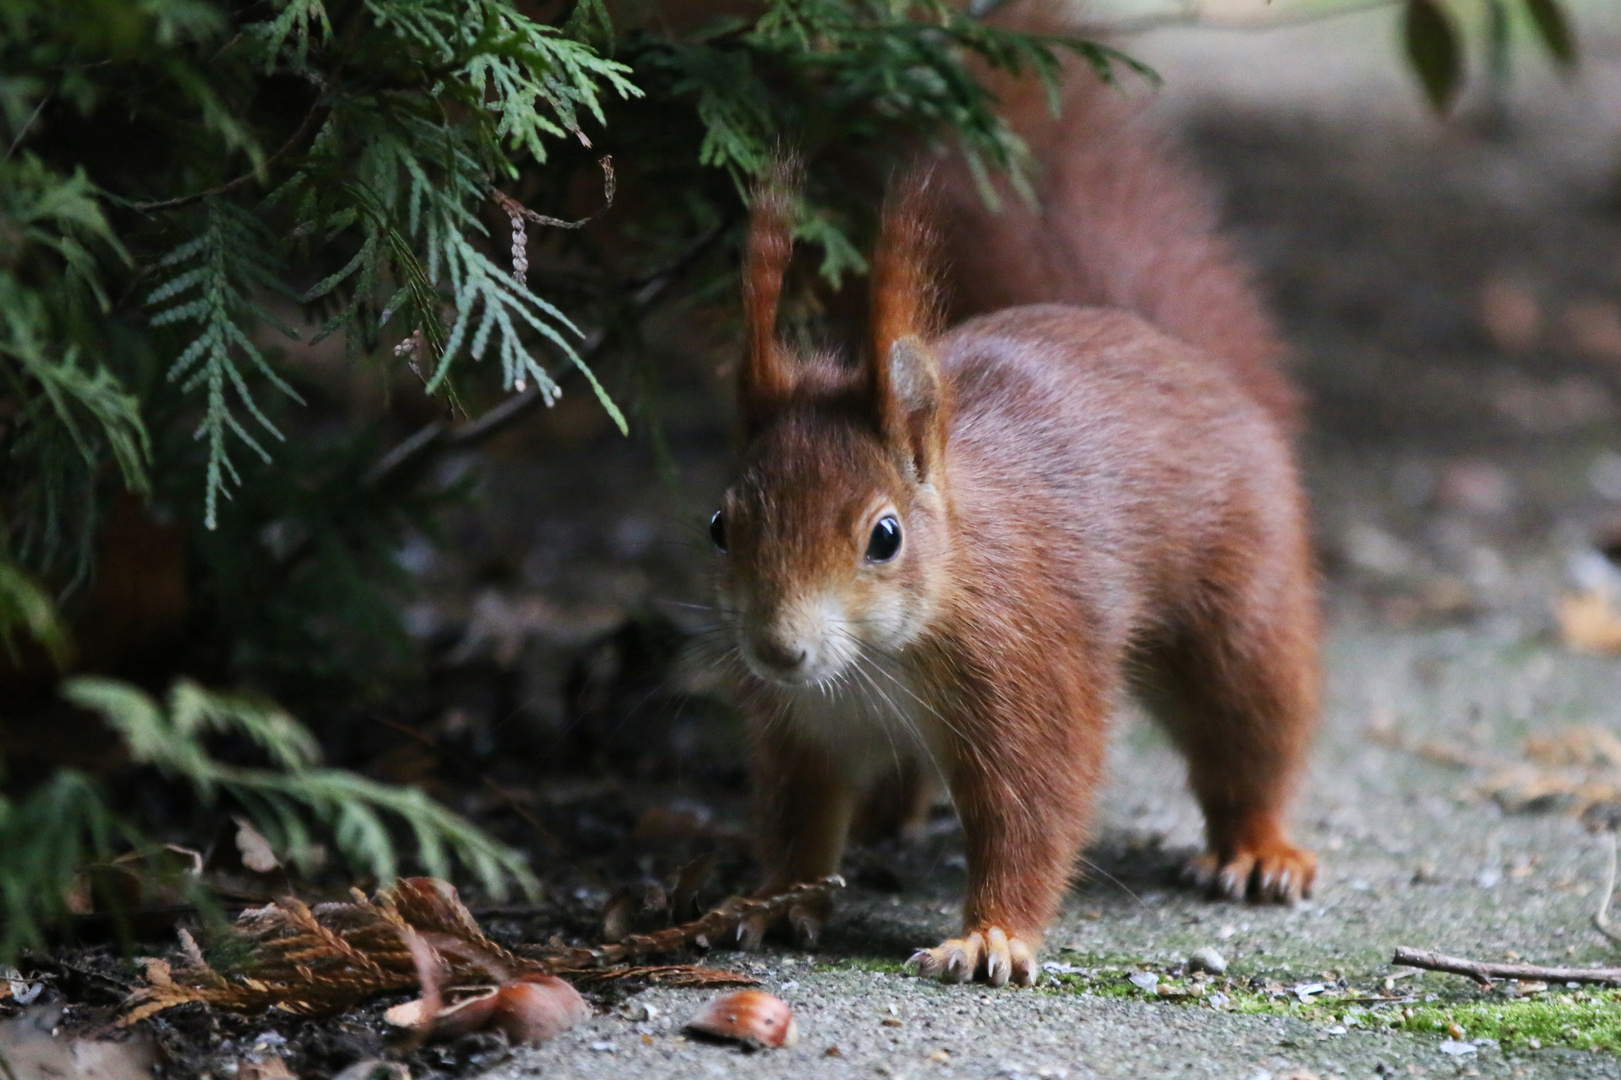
670 975
712 928
1487 973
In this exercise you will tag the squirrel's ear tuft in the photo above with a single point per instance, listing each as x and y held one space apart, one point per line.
766 379
908 393
905 294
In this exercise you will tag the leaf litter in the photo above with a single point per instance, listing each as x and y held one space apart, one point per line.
321 959
1576 769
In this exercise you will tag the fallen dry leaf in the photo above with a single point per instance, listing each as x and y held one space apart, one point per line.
151 877
1584 745
255 850
1588 622
31 1051
1594 327
1511 314
271 1068
1576 769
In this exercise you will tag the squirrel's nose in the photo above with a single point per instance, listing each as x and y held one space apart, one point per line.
774 654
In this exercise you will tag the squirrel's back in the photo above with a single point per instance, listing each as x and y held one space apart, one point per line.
1122 221
1110 452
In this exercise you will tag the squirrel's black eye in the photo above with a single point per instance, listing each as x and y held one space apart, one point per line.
885 540
717 531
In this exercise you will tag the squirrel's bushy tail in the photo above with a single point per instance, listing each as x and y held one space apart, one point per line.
1122 222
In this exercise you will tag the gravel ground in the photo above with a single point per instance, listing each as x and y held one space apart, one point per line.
1410 856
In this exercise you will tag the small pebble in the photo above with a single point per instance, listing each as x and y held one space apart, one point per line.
1208 959
1144 980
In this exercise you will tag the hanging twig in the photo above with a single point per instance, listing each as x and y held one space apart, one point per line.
516 209
1189 15
1487 973
467 766
518 213
246 178
12 149
1601 921
437 436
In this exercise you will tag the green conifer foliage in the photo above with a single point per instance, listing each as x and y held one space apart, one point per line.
189 188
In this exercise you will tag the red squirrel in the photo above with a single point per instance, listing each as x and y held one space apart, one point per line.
958 552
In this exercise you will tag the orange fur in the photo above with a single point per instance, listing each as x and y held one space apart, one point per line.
1092 497
905 294
1121 220
766 380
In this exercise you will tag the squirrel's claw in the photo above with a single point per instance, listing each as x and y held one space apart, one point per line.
751 932
806 921
989 956
803 919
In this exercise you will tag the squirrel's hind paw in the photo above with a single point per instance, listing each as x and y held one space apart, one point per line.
1276 873
988 955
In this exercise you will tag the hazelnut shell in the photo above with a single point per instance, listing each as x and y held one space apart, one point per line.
752 1017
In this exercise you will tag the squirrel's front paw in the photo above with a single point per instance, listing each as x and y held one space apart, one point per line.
1275 872
988 954
804 920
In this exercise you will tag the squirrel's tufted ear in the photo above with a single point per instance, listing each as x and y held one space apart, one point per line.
766 378
914 412
908 393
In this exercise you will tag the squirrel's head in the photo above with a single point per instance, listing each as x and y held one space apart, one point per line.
834 536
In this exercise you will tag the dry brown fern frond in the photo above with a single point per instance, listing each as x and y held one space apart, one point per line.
324 959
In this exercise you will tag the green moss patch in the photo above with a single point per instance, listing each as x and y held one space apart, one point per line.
1579 1019
1584 1020
862 963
